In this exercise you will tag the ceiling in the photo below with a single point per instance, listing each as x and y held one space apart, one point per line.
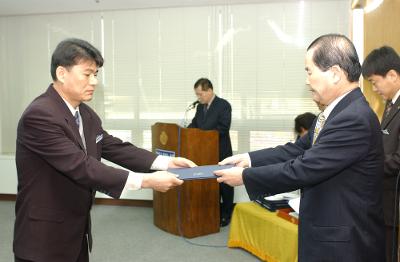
27 7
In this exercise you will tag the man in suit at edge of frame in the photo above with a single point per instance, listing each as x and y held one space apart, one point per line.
338 165
382 68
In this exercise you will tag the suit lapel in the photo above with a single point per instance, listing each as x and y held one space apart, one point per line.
72 124
213 104
345 102
69 118
88 130
393 112
211 108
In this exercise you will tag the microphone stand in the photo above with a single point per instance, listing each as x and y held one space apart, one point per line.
185 120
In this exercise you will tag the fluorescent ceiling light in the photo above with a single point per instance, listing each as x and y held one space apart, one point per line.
372 5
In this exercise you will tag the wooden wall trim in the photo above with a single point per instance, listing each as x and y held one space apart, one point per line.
124 202
8 197
98 201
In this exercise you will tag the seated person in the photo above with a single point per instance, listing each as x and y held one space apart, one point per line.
302 123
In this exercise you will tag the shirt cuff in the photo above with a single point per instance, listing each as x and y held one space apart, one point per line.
134 182
248 158
161 163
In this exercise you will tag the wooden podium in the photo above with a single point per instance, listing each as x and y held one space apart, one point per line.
192 209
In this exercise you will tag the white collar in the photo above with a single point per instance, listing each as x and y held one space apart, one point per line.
394 99
209 103
328 110
71 108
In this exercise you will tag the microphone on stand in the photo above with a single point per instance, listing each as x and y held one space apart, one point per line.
190 107
193 105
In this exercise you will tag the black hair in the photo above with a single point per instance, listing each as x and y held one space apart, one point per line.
70 52
204 83
380 61
303 121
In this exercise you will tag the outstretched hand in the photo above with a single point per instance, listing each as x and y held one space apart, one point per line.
161 181
241 160
177 162
231 176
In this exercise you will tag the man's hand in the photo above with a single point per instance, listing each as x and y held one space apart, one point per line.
232 176
241 160
177 162
161 181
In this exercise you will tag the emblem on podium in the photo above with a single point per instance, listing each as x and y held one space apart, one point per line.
163 138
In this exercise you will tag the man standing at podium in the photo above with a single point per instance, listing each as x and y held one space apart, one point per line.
60 142
215 113
338 164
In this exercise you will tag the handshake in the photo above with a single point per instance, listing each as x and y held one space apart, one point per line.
164 180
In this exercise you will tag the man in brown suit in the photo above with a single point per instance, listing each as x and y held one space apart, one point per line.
60 141
382 68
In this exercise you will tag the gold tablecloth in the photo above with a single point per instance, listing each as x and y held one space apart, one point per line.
263 233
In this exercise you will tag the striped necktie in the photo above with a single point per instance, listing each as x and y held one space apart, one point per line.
89 222
77 121
389 106
318 126
80 128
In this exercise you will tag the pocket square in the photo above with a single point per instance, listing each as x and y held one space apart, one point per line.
99 138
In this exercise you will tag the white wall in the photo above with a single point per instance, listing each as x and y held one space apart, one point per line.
8 183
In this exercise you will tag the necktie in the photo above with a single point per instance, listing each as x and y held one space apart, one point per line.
205 109
389 106
77 121
89 223
80 128
318 126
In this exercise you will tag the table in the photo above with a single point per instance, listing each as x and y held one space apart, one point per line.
263 233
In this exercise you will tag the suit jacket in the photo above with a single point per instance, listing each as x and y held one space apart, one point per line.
341 180
57 178
218 117
391 134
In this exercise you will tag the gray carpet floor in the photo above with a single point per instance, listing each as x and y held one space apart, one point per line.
128 234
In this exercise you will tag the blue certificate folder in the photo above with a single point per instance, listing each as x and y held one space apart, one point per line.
198 172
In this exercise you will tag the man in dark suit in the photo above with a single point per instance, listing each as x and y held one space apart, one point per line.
382 68
338 165
60 141
215 113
